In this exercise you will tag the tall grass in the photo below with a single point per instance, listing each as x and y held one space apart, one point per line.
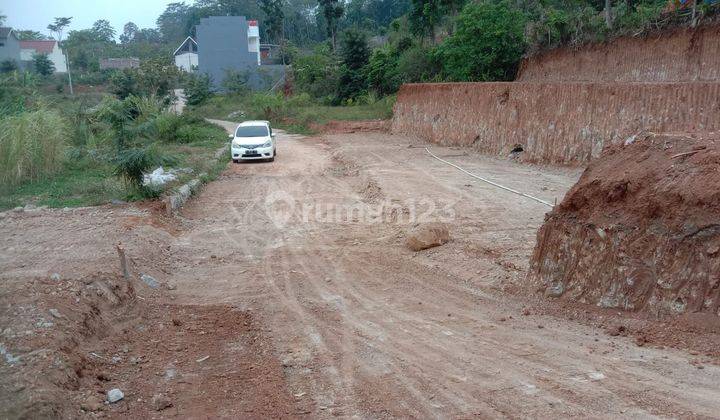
32 146
296 113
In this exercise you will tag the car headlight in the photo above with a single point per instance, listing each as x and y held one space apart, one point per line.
267 143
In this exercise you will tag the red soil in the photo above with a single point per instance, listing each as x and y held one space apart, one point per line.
639 231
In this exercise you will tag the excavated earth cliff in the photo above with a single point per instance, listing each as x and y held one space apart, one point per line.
640 231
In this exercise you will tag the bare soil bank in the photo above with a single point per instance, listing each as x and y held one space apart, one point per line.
551 122
680 55
639 231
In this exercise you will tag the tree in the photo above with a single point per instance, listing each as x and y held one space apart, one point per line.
172 23
382 73
103 31
424 17
274 17
28 35
129 31
354 54
148 35
58 27
43 65
488 44
332 11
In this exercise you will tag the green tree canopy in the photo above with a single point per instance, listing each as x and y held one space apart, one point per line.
488 44
29 35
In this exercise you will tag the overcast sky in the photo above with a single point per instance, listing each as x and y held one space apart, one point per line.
37 14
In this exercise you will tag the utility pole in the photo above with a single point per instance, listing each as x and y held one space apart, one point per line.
67 64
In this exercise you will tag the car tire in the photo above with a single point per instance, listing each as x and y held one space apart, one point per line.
272 159
235 161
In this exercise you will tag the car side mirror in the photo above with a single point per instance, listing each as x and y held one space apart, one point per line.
272 135
231 136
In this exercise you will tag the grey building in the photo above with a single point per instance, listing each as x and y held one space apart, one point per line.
9 46
232 43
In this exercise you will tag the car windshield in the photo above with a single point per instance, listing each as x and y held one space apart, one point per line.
252 131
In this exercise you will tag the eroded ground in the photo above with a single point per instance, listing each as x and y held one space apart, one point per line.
307 255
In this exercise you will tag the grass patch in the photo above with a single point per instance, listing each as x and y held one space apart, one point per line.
88 176
296 114
76 185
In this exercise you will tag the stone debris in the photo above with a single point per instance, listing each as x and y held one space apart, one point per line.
428 236
150 281
115 395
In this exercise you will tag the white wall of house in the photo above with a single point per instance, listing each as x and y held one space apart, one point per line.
187 61
254 39
56 56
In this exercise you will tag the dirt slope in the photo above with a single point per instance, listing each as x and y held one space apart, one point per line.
679 55
639 231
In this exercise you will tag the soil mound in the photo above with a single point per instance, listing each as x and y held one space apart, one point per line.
640 230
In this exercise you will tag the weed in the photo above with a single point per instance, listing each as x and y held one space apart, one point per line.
32 146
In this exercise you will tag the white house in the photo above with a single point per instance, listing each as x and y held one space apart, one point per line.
29 48
186 56
254 39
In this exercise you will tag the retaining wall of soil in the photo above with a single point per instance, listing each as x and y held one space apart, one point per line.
553 122
680 55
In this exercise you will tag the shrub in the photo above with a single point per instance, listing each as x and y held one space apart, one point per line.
317 74
132 163
8 66
236 81
488 44
417 64
198 89
124 83
167 125
173 128
32 146
382 72
42 64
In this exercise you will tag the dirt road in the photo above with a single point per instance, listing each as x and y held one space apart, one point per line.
312 246
365 327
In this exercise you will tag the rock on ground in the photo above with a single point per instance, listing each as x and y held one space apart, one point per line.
428 236
115 395
161 402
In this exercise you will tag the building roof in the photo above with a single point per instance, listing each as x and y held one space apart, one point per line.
41 47
5 32
188 39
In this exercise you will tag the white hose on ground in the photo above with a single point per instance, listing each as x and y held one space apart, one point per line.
494 184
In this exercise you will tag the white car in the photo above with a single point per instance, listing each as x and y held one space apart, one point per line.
253 140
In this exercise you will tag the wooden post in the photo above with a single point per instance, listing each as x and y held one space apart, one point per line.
123 261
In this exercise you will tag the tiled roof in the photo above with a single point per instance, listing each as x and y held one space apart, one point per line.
41 47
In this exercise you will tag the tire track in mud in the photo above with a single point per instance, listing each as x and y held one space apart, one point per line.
360 345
